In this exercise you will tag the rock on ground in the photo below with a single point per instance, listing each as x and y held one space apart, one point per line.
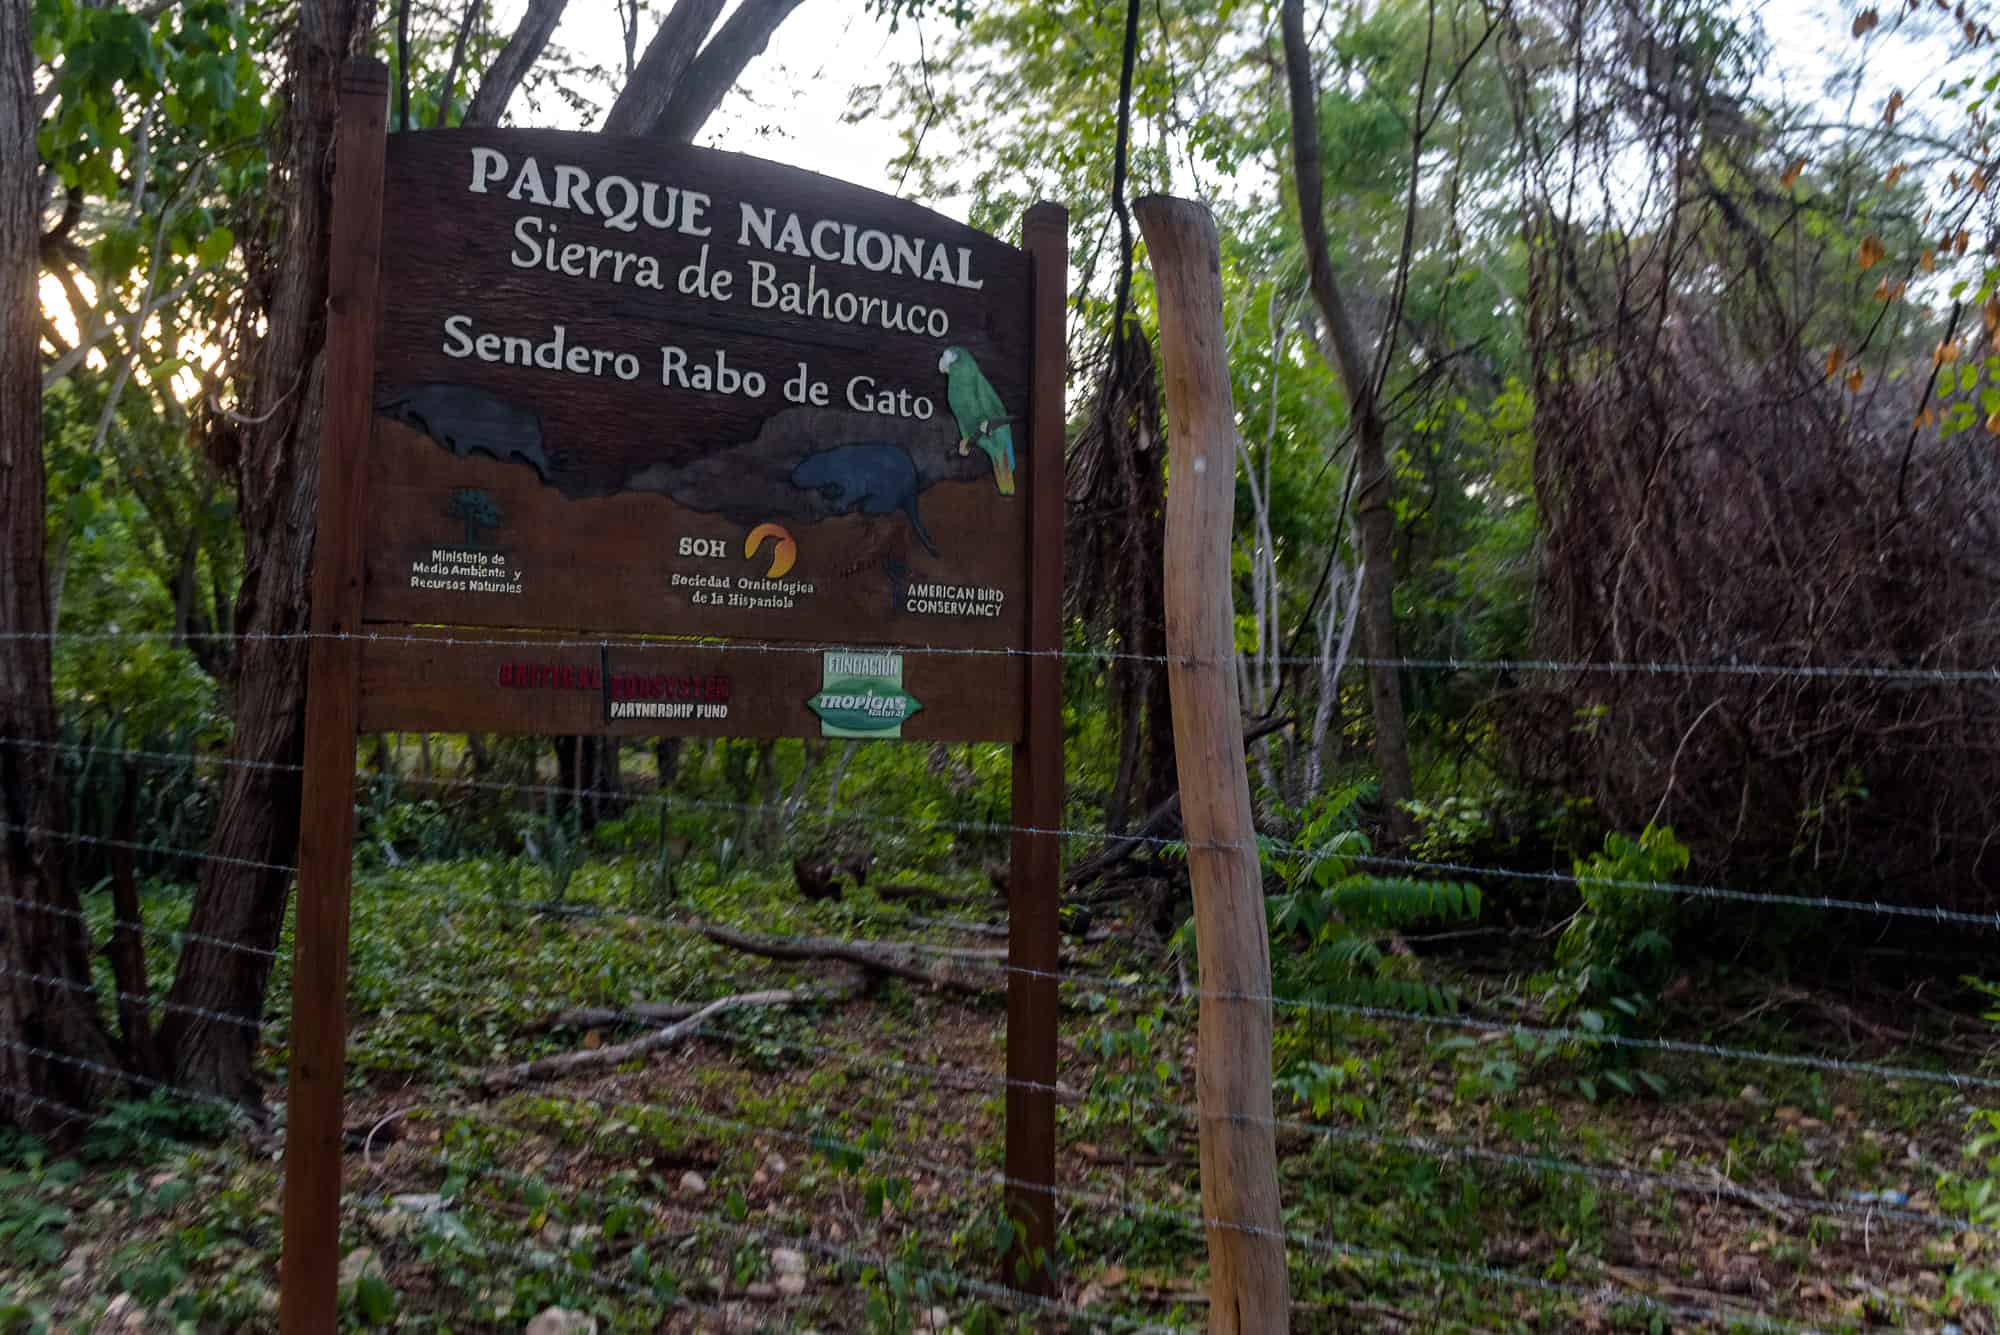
561 1321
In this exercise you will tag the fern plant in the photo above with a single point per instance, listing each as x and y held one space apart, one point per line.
1337 915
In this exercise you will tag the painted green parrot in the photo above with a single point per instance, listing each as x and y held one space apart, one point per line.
982 420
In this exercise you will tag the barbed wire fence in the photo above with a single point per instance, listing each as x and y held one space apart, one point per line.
572 1193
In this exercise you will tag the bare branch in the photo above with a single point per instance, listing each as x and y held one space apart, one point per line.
72 210
661 70
523 49
1374 519
90 338
721 63
1349 357
616 1054
403 65
450 89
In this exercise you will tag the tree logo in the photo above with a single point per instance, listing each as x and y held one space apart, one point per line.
477 511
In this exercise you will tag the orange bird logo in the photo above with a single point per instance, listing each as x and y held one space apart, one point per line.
783 552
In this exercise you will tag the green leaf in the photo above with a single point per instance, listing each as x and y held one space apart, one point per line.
374 1300
215 247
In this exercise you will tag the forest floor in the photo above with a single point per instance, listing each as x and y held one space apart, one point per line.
834 1167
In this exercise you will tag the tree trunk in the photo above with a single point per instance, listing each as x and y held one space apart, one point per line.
610 779
42 935
127 949
666 761
644 98
270 447
715 71
239 904
523 49
1131 740
1374 520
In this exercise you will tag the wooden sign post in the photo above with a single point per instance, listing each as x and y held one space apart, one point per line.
632 439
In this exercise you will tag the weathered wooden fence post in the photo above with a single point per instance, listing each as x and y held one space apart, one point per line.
309 1264
1239 1173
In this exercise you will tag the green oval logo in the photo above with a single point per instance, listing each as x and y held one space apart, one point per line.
862 707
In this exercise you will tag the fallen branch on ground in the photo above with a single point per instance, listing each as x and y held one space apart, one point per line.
1096 936
917 894
594 1059
971 971
593 1017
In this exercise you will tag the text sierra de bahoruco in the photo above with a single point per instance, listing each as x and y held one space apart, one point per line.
622 204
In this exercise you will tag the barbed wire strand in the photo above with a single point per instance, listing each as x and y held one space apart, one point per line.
822 1144
1264 845
1424 1146
80 915
974 962
501 638
127 1077
738 1126
1019 1298
1394 1258
160 1002
1389 1256
1442 1150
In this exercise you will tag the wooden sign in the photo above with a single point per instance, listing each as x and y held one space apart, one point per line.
623 437
661 390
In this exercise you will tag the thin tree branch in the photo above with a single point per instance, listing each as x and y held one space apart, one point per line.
1930 385
402 65
1348 356
1119 161
643 101
450 89
511 66
1400 284
616 1054
72 210
721 63
88 339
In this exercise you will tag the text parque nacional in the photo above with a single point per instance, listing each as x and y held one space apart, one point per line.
624 205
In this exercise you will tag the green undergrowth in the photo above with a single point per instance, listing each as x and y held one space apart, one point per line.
1460 1175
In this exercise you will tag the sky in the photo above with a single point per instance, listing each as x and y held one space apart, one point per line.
793 101
792 104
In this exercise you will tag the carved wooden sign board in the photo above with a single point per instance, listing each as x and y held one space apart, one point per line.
624 389
622 437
